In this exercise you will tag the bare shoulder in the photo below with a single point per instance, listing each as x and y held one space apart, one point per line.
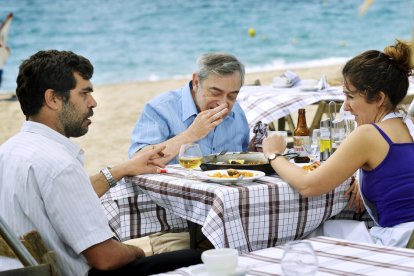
364 132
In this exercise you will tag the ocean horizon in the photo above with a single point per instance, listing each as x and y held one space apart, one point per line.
139 40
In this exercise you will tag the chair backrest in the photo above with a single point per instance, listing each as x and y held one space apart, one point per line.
410 243
410 110
31 252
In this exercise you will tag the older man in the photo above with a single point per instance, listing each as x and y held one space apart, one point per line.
205 111
43 183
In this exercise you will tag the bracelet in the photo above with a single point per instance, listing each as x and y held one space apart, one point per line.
287 156
111 181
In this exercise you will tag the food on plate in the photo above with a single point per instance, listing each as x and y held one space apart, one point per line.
236 161
312 166
232 173
239 162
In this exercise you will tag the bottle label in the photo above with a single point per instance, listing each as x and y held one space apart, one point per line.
299 144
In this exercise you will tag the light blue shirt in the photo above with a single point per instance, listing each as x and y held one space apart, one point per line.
173 112
43 186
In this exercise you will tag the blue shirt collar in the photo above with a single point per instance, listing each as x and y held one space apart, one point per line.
188 106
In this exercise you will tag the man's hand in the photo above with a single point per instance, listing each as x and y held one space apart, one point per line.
206 121
148 161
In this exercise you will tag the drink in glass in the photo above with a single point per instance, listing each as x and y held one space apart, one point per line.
190 157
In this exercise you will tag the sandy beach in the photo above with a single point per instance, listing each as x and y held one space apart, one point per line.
119 106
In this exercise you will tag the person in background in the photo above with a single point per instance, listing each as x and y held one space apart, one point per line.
44 186
4 50
205 111
382 147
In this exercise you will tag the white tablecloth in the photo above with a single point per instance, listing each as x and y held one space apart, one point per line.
266 104
335 257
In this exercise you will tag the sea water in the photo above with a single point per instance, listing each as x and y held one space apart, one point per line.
133 40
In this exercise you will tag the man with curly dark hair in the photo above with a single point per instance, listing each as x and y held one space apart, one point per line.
44 185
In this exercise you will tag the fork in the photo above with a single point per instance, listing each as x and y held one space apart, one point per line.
222 152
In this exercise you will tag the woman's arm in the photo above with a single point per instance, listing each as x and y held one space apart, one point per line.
353 153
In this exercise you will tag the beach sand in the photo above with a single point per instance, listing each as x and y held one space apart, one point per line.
119 106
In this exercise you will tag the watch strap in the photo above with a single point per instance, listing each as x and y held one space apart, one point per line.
111 181
273 156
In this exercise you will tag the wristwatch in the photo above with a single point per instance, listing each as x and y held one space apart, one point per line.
273 156
111 181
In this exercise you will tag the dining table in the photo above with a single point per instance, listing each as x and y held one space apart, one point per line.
244 215
267 103
335 257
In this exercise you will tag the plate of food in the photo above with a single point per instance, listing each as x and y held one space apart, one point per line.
237 160
232 175
310 166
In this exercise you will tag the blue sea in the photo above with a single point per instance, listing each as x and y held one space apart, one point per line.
136 40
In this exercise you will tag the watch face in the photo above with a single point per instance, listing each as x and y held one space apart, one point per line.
272 156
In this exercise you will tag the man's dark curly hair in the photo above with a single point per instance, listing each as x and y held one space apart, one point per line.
50 69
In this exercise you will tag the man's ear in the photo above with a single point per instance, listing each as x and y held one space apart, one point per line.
52 100
196 81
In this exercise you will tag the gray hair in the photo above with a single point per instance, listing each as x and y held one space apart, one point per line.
220 64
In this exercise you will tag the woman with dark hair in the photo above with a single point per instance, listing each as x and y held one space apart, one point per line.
382 148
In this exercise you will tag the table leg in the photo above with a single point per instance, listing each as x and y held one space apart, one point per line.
197 239
318 115
192 229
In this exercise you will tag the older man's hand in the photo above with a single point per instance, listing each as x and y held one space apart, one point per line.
206 121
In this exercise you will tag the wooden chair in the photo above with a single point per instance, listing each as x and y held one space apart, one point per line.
31 252
410 243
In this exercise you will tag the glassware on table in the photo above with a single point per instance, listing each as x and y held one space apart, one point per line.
282 133
314 150
299 259
325 140
190 157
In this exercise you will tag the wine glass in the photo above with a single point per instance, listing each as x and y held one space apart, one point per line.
190 157
299 258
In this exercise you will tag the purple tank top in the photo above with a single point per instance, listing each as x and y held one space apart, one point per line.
390 186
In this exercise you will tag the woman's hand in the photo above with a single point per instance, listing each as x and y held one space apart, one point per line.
274 144
355 201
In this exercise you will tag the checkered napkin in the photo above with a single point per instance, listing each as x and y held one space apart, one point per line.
293 78
323 83
287 79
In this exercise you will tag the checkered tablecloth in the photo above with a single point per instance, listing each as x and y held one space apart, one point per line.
335 257
248 216
266 104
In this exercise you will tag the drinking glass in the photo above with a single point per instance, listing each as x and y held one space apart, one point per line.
190 158
282 133
314 150
299 259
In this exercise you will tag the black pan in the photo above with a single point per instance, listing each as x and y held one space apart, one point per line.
221 162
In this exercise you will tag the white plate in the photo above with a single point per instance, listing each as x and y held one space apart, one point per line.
208 175
309 88
280 85
200 270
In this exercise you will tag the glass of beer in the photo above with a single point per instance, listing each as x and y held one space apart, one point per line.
190 158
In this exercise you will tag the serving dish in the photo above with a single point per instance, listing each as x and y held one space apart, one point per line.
251 161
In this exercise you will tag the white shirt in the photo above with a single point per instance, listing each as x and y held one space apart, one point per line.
43 186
